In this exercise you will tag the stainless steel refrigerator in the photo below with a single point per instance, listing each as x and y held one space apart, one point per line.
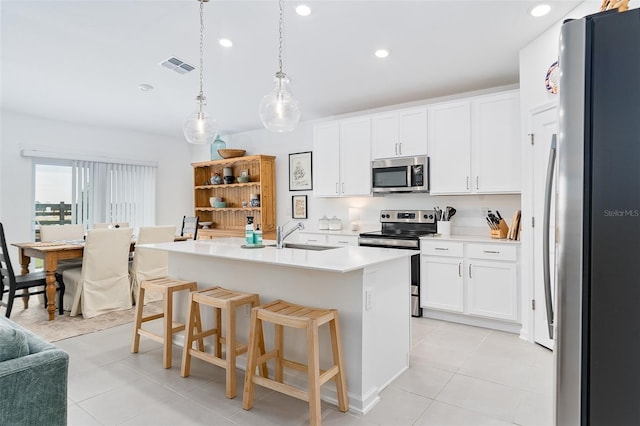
598 222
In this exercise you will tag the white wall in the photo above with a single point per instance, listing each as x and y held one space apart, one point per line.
535 59
471 209
174 177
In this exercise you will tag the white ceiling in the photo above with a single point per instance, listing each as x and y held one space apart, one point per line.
83 60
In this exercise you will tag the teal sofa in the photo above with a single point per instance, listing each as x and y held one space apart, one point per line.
33 378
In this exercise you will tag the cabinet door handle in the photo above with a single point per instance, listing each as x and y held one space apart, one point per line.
396 148
343 187
312 240
492 251
460 269
477 182
441 248
336 187
400 148
470 276
467 182
343 242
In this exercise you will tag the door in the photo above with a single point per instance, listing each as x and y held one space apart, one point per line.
441 283
450 148
413 132
384 142
326 150
355 157
493 289
496 143
544 125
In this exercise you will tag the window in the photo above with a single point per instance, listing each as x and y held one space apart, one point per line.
88 192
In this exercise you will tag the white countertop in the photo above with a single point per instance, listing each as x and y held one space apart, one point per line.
468 238
341 259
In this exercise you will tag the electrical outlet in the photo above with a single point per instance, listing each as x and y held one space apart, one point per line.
368 299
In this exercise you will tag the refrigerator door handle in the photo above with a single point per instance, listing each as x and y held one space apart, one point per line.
545 234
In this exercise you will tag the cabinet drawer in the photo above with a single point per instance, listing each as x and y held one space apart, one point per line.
312 238
441 248
342 240
492 252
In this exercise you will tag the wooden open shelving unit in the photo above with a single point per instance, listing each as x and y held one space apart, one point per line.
231 221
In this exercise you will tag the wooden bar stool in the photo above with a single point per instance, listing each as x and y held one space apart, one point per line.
167 286
282 314
219 299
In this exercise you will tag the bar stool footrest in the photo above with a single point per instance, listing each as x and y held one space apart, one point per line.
282 388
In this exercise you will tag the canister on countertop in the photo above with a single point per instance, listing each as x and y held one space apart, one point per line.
323 223
335 224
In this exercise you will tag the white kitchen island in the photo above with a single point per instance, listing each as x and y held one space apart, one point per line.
370 288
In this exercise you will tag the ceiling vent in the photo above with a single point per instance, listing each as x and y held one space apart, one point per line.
177 65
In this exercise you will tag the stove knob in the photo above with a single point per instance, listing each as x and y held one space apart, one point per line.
430 216
382 216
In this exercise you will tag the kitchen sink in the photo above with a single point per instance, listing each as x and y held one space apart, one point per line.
305 247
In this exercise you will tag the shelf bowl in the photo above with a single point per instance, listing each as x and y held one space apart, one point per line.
206 225
231 153
220 204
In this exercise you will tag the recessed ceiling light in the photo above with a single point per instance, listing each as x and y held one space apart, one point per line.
225 42
303 10
540 10
382 53
144 87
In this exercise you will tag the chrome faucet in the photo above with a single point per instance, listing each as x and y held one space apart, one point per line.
281 234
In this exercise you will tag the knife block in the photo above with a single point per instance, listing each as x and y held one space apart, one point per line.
501 232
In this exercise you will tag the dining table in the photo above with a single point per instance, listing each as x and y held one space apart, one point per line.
51 253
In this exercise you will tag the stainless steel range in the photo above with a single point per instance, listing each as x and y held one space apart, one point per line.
402 229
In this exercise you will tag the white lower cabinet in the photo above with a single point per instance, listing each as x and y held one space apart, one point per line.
442 284
493 289
308 238
313 238
342 240
471 279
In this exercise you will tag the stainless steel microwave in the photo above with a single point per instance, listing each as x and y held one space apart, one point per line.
404 174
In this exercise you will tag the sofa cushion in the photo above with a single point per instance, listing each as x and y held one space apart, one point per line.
13 343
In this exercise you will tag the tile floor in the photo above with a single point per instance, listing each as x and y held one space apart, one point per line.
459 375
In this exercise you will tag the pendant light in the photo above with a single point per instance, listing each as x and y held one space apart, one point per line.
279 110
200 127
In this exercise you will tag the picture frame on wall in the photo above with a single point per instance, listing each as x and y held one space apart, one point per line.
300 172
299 206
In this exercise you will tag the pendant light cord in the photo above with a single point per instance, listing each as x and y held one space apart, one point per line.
201 96
280 39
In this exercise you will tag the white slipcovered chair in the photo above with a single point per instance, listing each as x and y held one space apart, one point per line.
148 263
101 285
111 225
61 232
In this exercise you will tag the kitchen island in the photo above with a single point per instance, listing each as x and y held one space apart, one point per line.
370 288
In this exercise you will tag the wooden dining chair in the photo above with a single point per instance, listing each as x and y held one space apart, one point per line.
190 227
101 285
34 282
147 263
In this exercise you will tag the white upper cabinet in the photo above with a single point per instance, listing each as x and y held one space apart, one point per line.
326 164
496 143
400 133
475 145
342 158
450 147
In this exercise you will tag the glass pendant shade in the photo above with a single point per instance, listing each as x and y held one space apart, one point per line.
279 111
199 127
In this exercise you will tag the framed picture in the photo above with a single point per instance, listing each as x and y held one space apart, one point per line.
300 171
299 206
